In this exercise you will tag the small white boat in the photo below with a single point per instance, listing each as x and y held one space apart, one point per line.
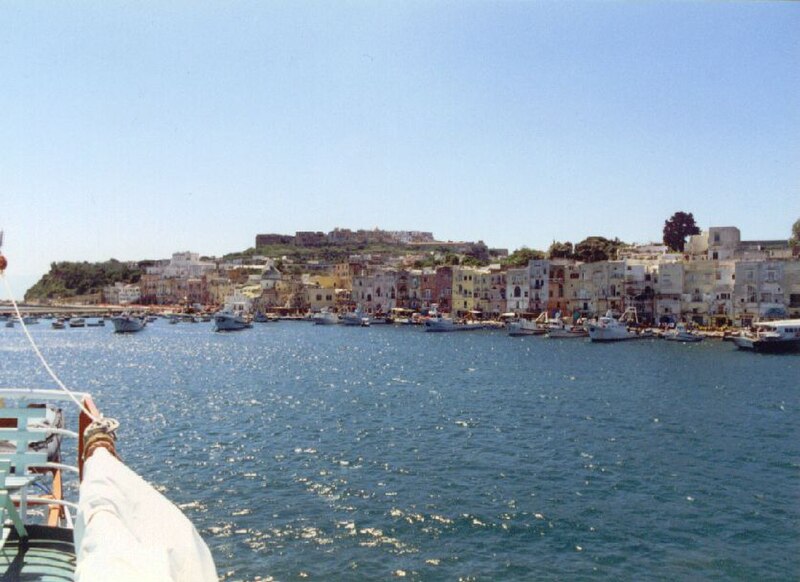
355 318
567 332
771 337
127 323
682 333
325 317
77 322
58 324
439 323
229 321
610 329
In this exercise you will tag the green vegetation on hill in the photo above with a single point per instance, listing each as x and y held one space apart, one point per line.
67 279
329 253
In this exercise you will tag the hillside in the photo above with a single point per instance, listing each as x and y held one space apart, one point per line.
68 279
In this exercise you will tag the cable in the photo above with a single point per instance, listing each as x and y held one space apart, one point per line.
39 354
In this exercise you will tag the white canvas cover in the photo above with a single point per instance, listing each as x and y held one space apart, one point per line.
126 530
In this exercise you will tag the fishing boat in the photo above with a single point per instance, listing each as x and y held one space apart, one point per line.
610 329
58 324
127 323
77 322
230 321
681 333
771 337
114 526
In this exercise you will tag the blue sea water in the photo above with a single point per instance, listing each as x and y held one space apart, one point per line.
306 452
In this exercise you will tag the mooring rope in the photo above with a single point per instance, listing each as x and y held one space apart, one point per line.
36 350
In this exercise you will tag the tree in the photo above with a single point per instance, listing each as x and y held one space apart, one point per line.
597 248
677 228
521 257
559 250
795 238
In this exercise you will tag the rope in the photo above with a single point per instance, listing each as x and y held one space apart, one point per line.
39 354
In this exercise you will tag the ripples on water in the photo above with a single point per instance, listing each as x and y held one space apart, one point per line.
315 452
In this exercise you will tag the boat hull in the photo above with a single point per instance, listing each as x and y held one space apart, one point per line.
230 323
767 346
127 324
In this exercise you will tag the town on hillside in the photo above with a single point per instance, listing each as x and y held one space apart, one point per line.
717 280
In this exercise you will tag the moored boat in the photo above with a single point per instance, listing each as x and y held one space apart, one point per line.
771 337
437 322
127 323
523 327
610 329
325 317
230 321
681 333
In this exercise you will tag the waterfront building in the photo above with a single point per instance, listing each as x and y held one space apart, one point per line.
557 298
791 286
121 294
540 285
218 287
759 291
698 291
669 292
319 297
463 290
518 286
443 288
721 311
375 290
601 286
490 291
639 288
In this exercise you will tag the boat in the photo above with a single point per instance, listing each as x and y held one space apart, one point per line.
567 331
77 322
355 318
523 327
230 321
325 317
98 322
681 333
437 322
401 316
80 513
771 337
58 324
127 323
610 329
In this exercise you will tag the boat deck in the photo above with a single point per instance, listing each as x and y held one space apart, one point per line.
48 554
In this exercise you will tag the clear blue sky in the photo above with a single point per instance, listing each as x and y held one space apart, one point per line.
135 129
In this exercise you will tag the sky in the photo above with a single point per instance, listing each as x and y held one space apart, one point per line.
132 130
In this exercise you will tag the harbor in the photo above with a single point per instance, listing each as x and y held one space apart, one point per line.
309 452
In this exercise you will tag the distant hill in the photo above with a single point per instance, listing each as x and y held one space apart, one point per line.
67 279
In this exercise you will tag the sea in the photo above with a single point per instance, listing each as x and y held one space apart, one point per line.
305 452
